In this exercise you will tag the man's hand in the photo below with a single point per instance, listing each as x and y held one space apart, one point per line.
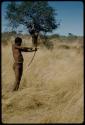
35 49
31 48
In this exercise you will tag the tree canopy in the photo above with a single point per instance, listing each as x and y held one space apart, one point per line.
37 13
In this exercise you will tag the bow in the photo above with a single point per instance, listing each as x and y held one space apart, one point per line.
34 41
32 59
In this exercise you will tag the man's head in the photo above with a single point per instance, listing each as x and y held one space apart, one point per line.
18 41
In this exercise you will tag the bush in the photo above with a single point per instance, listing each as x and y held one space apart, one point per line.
47 43
4 40
71 36
6 36
54 36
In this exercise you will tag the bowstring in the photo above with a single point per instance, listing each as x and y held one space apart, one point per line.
32 59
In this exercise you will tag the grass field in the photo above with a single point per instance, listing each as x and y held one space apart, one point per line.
51 89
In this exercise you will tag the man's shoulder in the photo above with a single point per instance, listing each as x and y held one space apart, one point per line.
14 45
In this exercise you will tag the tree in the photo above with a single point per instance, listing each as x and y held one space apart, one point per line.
36 16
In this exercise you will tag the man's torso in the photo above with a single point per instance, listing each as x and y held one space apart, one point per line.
17 54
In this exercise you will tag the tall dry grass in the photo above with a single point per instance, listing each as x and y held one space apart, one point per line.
51 89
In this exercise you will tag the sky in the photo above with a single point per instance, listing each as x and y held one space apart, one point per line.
69 13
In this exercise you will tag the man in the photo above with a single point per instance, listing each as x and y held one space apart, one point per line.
18 64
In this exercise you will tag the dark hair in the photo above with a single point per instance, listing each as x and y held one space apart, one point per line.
18 40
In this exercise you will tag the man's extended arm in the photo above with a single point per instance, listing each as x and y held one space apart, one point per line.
29 50
25 49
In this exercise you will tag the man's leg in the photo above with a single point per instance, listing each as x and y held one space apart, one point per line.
18 74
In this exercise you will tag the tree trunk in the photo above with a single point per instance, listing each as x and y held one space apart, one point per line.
35 39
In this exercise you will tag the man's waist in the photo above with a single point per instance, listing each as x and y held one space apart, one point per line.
18 62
